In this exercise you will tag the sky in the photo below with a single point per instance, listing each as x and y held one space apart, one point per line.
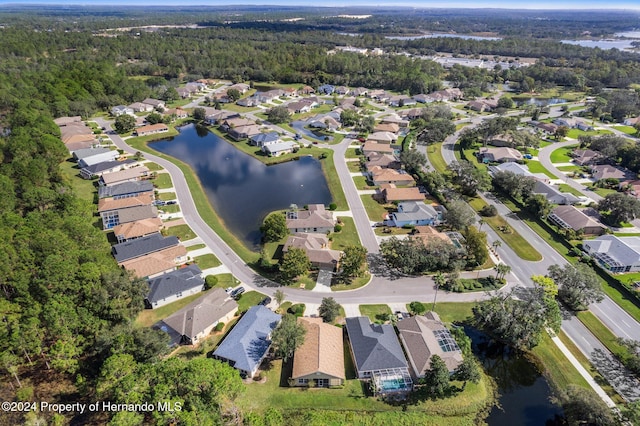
511 4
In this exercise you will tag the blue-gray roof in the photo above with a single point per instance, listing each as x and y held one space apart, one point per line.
125 188
88 152
106 165
374 346
262 138
247 343
175 282
412 210
142 246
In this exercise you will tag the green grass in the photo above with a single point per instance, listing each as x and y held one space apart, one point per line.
569 168
558 369
361 182
238 108
196 247
537 167
153 166
603 334
513 239
356 283
207 261
148 317
629 130
350 404
563 187
603 192
353 166
166 196
82 188
375 210
434 152
352 153
249 299
376 313
348 236
561 155
576 133
183 232
173 208
387 231
333 180
163 181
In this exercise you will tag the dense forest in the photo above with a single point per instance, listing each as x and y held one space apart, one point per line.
66 309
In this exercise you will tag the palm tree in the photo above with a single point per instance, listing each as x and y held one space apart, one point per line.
480 223
496 244
439 279
501 270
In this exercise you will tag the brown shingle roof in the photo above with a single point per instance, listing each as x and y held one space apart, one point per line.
390 176
139 228
123 175
371 146
155 263
574 218
107 204
402 194
322 350
315 246
429 233
315 217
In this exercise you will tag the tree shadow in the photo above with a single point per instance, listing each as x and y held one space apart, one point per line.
614 372
379 267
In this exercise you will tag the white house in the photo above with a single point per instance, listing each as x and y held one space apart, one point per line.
616 254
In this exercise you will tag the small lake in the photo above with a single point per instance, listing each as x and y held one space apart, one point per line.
541 102
242 189
524 392
602 44
443 35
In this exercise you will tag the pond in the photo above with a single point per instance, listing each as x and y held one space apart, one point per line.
541 102
603 44
524 392
241 189
443 35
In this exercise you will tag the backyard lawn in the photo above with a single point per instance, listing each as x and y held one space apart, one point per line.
148 317
207 261
82 188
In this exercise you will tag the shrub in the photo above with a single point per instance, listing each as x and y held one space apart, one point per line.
219 326
333 206
489 211
297 309
337 228
210 281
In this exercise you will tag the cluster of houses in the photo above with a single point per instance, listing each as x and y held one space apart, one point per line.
147 106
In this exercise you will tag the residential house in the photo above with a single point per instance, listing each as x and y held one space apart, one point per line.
97 170
140 228
395 119
249 102
76 138
501 140
151 129
240 87
414 213
478 106
264 139
178 112
157 262
631 121
326 89
109 208
423 99
569 217
315 219
307 90
583 157
382 161
155 103
391 194
401 100
99 157
298 107
573 123
342 90
280 148
234 122
195 321
65 121
140 107
247 344
387 128
125 189
548 128
607 171
319 361
120 110
383 137
616 254
630 187
183 92
380 95
553 194
127 175
244 132
381 175
218 117
429 234
411 113
424 336
370 147
359 91
498 155
175 285
75 146
316 247
378 356
88 152
518 169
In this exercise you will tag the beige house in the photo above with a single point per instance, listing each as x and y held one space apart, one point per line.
151 129
370 147
390 193
316 247
381 175
315 219
424 336
137 229
319 361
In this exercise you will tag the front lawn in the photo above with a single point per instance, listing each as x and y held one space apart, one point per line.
629 130
249 299
153 167
603 192
563 187
172 208
561 155
569 168
576 133
348 236
362 183
376 313
148 317
162 181
537 167
183 232
354 166
375 210
207 261
167 196
352 153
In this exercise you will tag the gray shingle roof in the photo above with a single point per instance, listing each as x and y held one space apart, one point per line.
88 152
142 246
247 343
375 346
133 214
125 188
175 282
106 165
625 250
550 191
412 210
262 138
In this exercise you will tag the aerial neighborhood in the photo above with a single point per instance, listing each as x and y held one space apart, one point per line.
353 221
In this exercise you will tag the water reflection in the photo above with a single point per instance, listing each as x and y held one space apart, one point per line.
241 189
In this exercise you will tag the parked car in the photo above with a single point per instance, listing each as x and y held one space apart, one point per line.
237 292
228 289
265 301
171 202
159 203
528 156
